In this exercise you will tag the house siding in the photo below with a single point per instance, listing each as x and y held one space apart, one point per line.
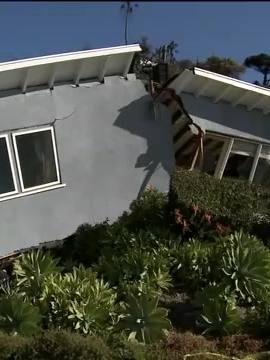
110 145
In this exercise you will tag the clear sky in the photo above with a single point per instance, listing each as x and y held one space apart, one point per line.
233 29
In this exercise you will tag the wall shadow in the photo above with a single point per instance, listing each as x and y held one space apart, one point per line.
138 118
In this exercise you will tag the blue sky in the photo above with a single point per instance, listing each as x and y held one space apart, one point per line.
233 29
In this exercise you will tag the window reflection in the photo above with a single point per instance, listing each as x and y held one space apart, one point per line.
262 173
238 166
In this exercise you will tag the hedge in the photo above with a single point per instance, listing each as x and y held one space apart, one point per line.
53 345
233 201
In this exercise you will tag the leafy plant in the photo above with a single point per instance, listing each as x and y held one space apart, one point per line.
246 266
132 264
87 243
18 317
196 264
143 319
31 270
219 311
146 212
79 301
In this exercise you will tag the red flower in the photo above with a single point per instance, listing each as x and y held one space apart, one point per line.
208 217
195 208
222 228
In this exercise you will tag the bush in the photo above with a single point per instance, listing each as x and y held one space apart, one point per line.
148 211
196 264
229 201
87 243
219 316
79 301
13 347
18 317
246 267
53 345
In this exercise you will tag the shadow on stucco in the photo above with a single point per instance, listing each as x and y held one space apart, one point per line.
138 118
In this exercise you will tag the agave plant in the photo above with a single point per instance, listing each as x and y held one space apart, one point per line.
194 264
79 300
219 312
18 317
143 319
31 270
246 265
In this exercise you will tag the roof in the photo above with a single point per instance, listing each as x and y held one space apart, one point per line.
73 66
218 87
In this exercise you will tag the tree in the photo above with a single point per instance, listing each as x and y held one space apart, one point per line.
223 66
166 53
128 10
260 63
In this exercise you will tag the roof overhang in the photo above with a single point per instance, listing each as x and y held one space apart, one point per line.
73 66
199 82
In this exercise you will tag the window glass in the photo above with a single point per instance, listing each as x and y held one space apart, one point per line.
6 178
36 158
262 173
238 166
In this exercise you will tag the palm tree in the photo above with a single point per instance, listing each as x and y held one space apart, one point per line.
129 9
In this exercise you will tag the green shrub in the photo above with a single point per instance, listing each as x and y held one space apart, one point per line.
31 270
148 211
87 243
220 315
54 345
18 317
143 320
137 266
230 201
196 264
13 347
78 301
246 267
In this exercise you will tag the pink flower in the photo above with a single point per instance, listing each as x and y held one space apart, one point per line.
195 208
208 217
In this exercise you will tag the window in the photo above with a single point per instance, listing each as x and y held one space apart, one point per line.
211 153
36 157
238 166
28 163
262 173
7 179
225 156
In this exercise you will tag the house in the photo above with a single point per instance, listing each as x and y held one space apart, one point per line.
220 125
80 138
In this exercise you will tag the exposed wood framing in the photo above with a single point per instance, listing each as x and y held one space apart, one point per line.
163 95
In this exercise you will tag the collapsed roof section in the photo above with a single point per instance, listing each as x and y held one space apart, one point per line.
199 82
67 67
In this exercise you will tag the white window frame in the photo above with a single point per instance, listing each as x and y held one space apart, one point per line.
11 162
23 132
228 149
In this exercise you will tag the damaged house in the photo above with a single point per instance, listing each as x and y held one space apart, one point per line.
220 125
79 140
